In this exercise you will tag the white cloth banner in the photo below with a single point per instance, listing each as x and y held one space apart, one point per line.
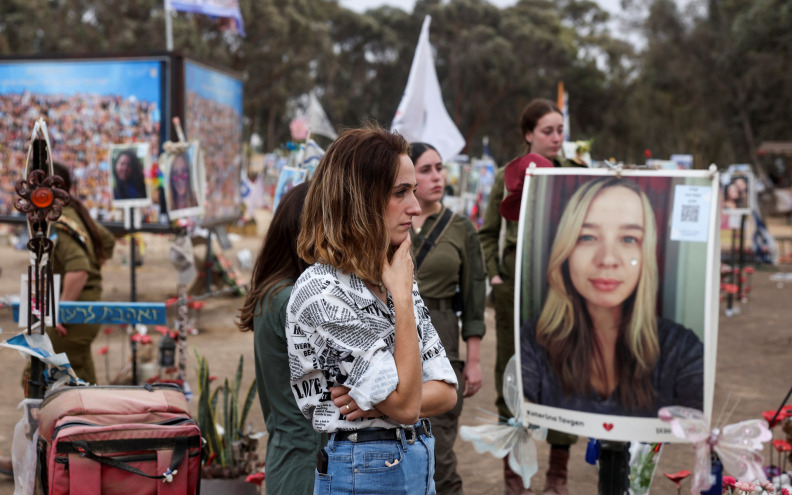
421 115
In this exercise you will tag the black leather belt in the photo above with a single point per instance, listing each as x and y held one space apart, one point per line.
410 433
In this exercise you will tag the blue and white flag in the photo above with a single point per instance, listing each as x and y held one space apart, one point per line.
214 8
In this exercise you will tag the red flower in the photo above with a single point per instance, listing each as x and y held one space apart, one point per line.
197 305
256 478
678 477
782 445
212 378
768 416
784 491
161 329
648 154
102 350
107 330
171 301
729 481
143 339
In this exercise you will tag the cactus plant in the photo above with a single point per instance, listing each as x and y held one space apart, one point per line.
231 445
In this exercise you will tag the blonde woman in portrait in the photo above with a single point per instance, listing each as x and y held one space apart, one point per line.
598 345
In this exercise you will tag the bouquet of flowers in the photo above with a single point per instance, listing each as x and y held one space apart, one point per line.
733 487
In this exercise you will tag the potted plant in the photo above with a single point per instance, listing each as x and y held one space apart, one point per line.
231 445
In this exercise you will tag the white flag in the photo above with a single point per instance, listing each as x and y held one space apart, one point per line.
318 121
421 115
307 107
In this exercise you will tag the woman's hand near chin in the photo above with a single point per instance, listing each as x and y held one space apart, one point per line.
397 276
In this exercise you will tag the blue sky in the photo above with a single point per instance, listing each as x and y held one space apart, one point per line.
138 78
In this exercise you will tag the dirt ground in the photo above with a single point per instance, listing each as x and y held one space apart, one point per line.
752 366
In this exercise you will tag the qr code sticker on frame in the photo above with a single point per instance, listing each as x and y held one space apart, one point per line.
689 213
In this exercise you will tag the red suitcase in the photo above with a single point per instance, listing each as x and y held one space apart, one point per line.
119 440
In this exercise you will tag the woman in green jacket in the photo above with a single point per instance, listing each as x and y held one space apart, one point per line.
293 444
449 268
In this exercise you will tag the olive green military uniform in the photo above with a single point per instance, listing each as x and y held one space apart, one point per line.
74 252
503 263
293 444
455 261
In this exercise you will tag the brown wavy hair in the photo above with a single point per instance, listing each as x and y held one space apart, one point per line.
565 328
277 260
344 217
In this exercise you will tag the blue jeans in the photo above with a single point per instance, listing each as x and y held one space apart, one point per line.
361 468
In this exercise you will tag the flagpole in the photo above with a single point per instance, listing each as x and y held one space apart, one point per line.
168 27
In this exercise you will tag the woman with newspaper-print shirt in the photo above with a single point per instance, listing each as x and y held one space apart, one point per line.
365 361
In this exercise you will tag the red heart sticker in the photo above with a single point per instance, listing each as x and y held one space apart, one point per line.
607 426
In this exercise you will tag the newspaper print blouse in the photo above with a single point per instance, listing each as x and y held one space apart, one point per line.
339 333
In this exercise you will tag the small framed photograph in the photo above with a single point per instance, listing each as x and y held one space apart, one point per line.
129 165
738 190
616 298
184 182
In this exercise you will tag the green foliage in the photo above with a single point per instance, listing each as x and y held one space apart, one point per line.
712 82
234 450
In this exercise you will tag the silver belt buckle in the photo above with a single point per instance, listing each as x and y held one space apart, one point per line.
427 426
412 436
352 437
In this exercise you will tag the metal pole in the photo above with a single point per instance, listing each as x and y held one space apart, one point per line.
168 28
733 266
741 259
133 292
614 468
208 265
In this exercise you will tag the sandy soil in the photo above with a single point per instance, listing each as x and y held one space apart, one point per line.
752 366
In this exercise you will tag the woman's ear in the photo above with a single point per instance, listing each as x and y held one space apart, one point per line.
528 138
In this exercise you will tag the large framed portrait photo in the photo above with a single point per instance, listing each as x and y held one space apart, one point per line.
129 165
185 182
615 298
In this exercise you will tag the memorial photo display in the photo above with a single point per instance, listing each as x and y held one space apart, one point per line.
184 182
129 166
616 299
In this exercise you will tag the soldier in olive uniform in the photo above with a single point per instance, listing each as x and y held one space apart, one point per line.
81 246
542 128
450 273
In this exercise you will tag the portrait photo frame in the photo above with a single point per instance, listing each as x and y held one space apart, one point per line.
684 306
131 191
738 190
184 196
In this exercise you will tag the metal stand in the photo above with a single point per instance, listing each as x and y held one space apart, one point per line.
207 263
741 258
614 468
133 293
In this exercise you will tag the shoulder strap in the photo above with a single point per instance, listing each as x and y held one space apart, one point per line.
74 229
431 239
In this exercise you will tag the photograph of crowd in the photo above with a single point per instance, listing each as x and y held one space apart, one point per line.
88 106
213 116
